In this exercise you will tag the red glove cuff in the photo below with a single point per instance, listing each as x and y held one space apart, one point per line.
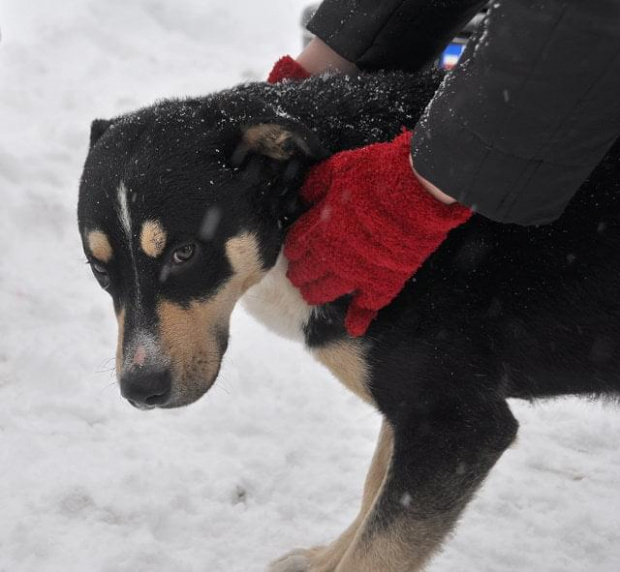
401 199
286 68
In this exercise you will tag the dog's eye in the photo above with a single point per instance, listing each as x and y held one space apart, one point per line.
183 254
101 274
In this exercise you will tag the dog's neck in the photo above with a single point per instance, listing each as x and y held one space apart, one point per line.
277 304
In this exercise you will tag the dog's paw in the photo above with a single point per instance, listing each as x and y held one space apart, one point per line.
299 560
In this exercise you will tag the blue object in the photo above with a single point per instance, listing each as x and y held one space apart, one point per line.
451 55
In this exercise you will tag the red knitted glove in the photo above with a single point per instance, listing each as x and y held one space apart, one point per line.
287 68
371 227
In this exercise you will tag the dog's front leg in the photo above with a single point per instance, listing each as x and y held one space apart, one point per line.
440 458
327 558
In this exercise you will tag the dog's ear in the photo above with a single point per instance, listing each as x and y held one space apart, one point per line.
281 141
279 149
97 128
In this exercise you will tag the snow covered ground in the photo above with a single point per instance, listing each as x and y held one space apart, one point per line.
275 455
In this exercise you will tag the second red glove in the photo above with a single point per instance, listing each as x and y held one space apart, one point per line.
370 228
286 68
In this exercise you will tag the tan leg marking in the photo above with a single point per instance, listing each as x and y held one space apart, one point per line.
407 546
99 245
120 317
346 360
152 238
331 556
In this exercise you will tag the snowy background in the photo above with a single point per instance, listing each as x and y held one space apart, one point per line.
275 455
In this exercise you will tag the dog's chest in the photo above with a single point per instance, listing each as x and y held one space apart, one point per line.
277 304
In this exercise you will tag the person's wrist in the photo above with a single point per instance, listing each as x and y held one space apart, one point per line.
430 188
317 57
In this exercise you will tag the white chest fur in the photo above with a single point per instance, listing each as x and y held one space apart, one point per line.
277 304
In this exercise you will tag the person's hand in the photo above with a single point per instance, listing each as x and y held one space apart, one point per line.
370 228
286 68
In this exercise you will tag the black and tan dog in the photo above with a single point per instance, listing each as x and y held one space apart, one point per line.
183 208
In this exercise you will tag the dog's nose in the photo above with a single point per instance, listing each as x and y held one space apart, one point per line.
142 386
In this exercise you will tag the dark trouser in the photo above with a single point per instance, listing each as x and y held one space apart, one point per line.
530 110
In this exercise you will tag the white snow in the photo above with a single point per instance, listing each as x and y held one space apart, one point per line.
275 455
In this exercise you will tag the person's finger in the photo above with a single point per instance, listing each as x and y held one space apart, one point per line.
305 270
317 183
296 243
377 296
318 258
326 289
358 319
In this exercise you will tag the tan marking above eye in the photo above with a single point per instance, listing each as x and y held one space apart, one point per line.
99 245
152 238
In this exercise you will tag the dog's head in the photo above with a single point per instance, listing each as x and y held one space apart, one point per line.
180 212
